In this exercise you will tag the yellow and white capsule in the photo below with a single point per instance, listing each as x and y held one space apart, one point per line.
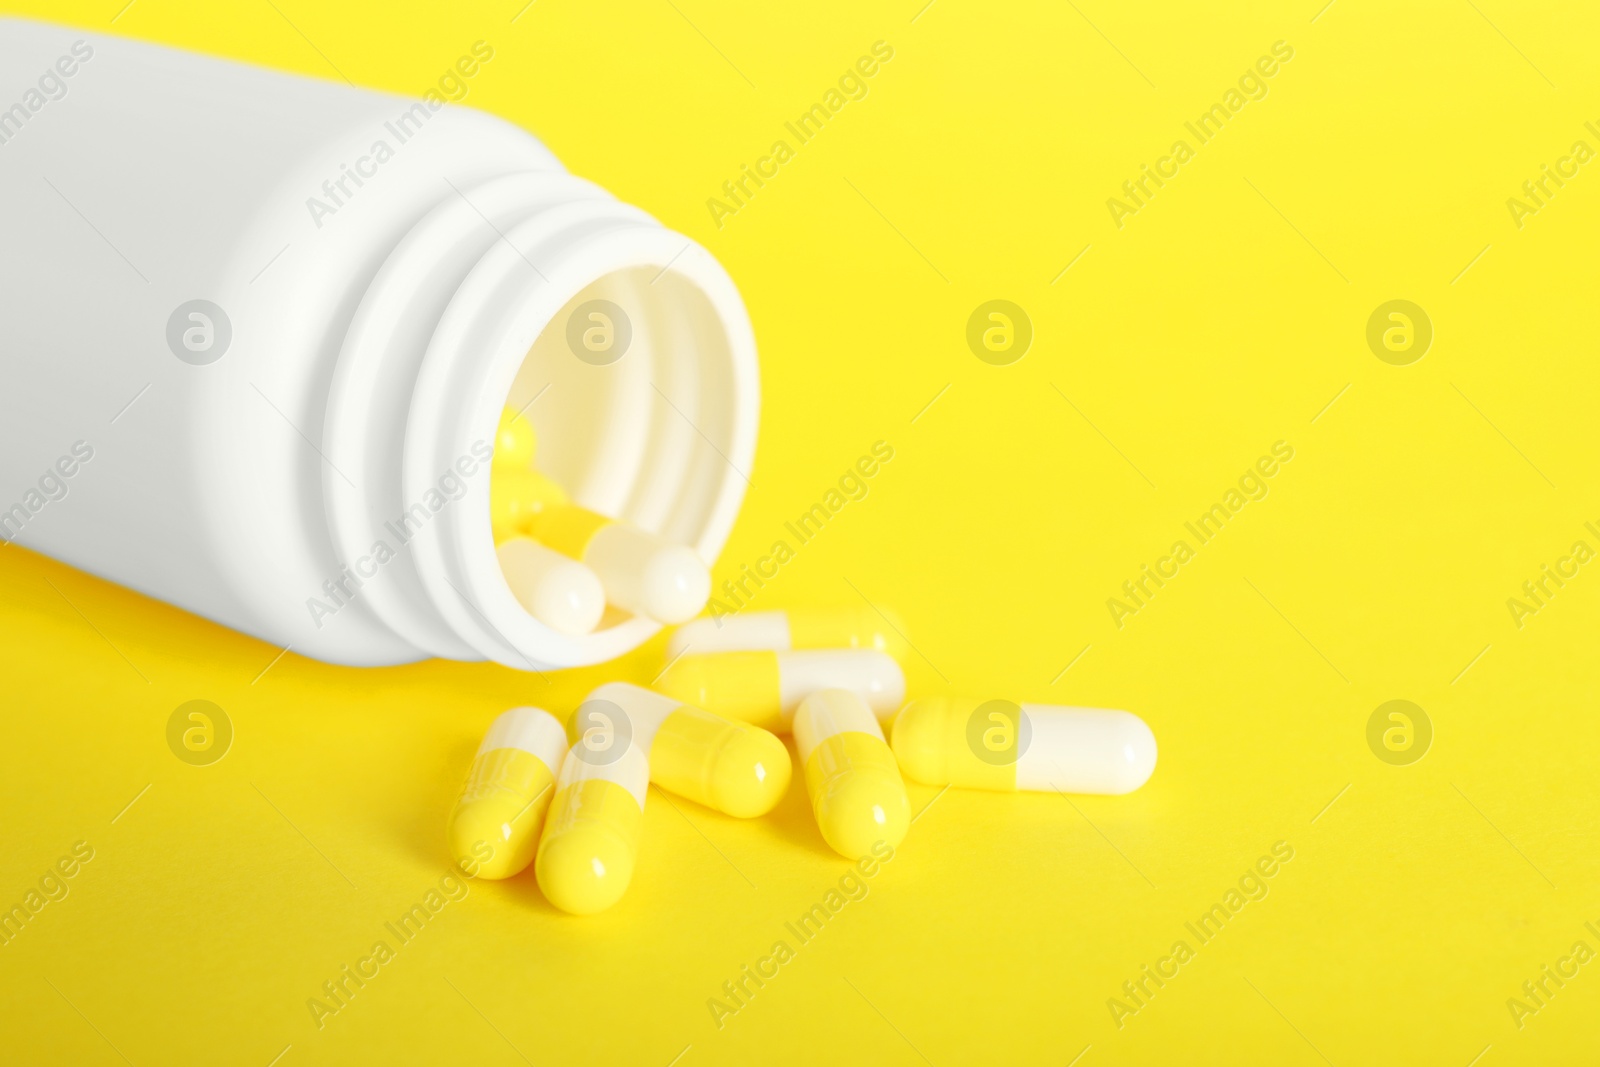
642 573
508 791
518 495
733 767
591 837
765 687
784 631
997 744
514 440
560 592
855 787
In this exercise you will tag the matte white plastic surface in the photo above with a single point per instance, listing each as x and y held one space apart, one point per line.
307 460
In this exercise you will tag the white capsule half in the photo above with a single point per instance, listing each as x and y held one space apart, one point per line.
764 687
560 592
649 576
746 632
873 676
858 626
641 710
1085 750
998 744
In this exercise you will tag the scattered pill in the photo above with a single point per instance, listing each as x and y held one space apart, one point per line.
708 734
516 496
781 631
734 767
642 573
560 592
1000 745
513 440
856 792
507 792
591 836
765 687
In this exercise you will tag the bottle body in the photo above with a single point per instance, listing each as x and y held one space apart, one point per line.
282 317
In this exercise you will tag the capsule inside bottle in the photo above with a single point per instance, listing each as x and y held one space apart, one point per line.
514 440
642 573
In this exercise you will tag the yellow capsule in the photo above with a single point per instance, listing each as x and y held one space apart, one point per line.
591 837
513 441
732 767
516 496
502 806
764 688
856 792
998 744
792 628
642 573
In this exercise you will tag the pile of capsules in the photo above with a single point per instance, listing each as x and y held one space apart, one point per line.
568 795
565 563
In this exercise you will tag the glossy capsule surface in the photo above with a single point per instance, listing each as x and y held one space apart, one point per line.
786 630
857 795
1001 745
514 440
590 842
643 574
507 791
560 592
765 687
517 496
734 767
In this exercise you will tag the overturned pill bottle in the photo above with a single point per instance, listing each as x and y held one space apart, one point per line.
261 329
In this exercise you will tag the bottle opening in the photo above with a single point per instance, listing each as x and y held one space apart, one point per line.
630 394
641 394
629 383
626 348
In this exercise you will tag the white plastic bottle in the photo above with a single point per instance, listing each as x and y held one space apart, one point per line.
256 332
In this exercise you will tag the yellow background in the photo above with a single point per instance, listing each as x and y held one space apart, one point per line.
1223 317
